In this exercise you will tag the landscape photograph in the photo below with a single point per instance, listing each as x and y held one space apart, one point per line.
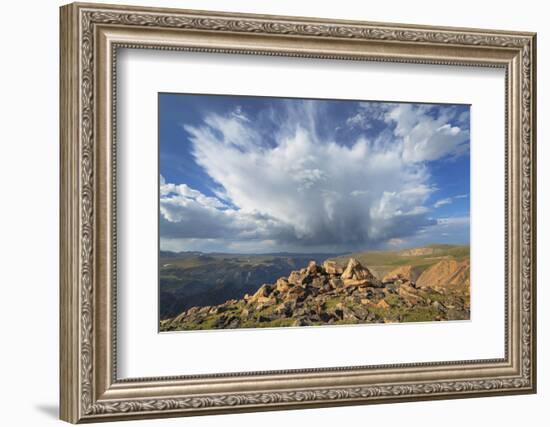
293 212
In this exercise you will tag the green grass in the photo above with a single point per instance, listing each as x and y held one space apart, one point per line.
421 314
392 299
330 304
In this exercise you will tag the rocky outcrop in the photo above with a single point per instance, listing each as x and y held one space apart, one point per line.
330 294
331 267
357 275
418 251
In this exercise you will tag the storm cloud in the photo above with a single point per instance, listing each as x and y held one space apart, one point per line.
301 188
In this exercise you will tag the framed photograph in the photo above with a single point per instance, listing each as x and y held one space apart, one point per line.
266 212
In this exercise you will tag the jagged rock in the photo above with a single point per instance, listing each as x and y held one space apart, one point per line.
218 309
357 275
312 291
295 278
232 322
282 285
336 282
313 269
409 294
356 283
220 322
324 316
371 317
361 312
282 310
438 306
318 282
295 293
261 294
331 267
349 314
383 304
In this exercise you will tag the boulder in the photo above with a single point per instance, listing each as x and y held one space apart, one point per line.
349 315
232 322
205 309
356 283
294 294
355 271
409 294
192 310
282 285
263 291
218 309
331 267
298 277
336 282
318 282
438 306
265 300
262 294
313 269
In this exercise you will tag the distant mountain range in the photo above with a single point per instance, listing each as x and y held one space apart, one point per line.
196 279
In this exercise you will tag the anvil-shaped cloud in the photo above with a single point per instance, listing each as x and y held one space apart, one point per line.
285 182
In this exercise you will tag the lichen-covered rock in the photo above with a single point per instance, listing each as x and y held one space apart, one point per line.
331 267
357 275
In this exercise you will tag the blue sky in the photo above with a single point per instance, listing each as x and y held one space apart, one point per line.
259 174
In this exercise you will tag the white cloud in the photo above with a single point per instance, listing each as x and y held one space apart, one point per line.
452 221
306 190
443 202
426 138
368 113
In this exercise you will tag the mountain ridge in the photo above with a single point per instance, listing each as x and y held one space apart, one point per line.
333 294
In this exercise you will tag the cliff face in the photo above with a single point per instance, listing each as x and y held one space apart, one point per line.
330 294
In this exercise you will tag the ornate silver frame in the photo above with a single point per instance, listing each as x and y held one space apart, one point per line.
90 36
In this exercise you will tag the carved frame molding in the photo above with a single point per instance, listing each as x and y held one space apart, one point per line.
90 36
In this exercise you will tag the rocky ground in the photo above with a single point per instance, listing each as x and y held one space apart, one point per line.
330 294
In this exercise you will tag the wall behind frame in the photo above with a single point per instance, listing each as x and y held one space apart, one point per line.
29 171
